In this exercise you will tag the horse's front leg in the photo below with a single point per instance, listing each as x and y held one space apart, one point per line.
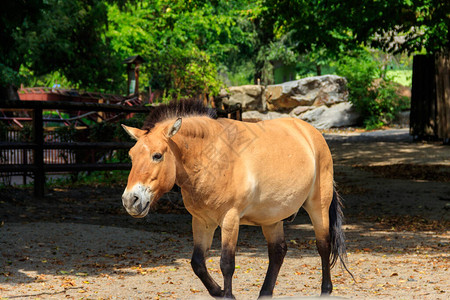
274 235
230 232
203 235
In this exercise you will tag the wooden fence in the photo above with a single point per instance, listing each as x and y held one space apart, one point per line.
38 167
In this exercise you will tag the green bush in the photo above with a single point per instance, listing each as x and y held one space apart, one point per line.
372 93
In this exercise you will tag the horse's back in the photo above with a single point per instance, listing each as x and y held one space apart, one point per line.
279 135
278 167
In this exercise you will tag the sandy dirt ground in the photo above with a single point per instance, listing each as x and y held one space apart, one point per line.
79 243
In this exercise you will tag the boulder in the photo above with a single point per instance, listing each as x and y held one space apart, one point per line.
312 91
324 117
256 116
251 97
299 110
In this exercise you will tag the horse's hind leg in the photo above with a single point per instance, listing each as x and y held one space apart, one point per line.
274 235
319 215
203 236
230 232
324 248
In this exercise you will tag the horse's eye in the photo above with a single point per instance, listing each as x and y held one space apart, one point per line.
157 157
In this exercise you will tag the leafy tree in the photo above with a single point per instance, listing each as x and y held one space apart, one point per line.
323 29
15 18
182 41
56 35
394 25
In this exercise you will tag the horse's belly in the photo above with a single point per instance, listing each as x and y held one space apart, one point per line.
276 192
273 207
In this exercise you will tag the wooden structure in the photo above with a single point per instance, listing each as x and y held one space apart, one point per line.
38 167
133 63
430 98
60 94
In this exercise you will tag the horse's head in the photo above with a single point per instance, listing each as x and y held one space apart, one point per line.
153 170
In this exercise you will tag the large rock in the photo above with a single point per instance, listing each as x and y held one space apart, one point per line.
339 115
300 110
312 91
256 116
251 97
322 117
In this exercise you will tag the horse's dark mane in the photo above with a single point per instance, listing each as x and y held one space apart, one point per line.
177 109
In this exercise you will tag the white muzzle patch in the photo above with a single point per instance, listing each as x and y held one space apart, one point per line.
137 200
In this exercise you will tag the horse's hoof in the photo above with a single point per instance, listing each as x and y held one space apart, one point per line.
263 295
223 296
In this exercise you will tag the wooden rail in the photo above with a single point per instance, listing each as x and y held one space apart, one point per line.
39 168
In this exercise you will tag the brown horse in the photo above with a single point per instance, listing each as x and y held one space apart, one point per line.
233 173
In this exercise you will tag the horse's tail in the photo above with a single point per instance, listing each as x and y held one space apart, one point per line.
337 236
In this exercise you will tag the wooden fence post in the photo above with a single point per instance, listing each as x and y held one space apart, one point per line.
423 98
442 63
38 153
430 97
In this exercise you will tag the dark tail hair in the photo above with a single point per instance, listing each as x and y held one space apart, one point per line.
337 236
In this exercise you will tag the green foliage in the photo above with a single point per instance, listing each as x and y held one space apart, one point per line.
72 40
373 96
182 41
186 74
280 50
239 75
392 25
8 76
16 17
54 35
402 77
29 79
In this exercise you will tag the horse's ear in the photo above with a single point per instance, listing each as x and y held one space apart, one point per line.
135 133
174 128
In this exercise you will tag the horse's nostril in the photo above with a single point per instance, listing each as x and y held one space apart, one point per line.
136 198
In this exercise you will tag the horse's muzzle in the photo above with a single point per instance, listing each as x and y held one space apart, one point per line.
137 201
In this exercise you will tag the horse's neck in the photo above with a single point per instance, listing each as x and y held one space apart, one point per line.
197 152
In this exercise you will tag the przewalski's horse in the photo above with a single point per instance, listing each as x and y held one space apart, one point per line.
233 173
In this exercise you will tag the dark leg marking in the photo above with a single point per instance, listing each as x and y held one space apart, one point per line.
324 248
227 266
277 252
199 267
